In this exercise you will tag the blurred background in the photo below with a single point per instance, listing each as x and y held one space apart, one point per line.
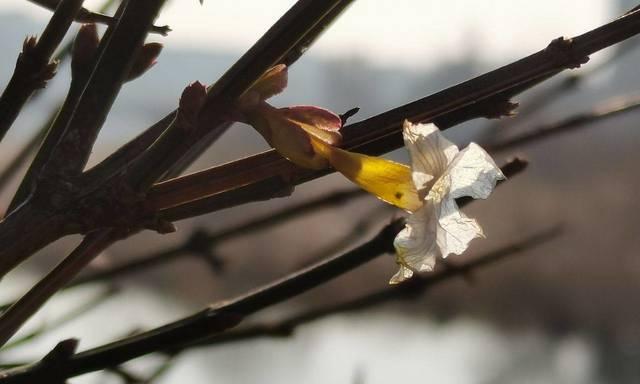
563 311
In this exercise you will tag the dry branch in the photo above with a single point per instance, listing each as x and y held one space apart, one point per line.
34 68
413 288
268 175
606 110
114 196
87 16
201 241
220 317
16 315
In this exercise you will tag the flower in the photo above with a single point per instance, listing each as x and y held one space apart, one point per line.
308 135
441 173
291 131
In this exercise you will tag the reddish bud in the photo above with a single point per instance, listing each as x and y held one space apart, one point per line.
47 73
29 44
272 82
85 47
191 101
39 71
145 60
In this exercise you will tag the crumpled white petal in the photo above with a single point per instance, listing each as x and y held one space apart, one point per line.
416 245
441 174
430 154
473 173
455 229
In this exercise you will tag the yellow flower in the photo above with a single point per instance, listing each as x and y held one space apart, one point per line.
308 135
441 174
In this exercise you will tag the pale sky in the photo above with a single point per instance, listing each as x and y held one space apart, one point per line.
409 33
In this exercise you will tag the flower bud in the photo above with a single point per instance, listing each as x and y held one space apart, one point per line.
191 101
85 47
29 44
145 60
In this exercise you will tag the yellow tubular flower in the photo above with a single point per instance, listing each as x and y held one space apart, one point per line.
308 135
439 173
386 179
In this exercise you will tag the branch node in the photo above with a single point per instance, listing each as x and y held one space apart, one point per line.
61 352
501 108
561 50
36 72
345 116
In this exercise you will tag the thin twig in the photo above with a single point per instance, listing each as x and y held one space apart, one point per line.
67 317
349 238
34 68
32 144
227 314
560 88
272 47
291 56
411 289
214 319
87 16
304 37
130 378
611 108
110 72
268 174
13 318
55 194
79 204
201 241
80 74
385 133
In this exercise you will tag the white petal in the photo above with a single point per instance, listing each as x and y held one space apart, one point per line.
430 154
455 229
416 245
473 173
403 274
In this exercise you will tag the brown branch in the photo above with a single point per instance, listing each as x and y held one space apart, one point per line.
33 68
51 140
84 45
125 155
413 288
67 317
272 47
606 110
87 16
59 356
63 192
214 319
346 240
34 227
559 89
108 76
267 174
289 58
57 191
130 378
227 314
201 241
15 316
38 137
